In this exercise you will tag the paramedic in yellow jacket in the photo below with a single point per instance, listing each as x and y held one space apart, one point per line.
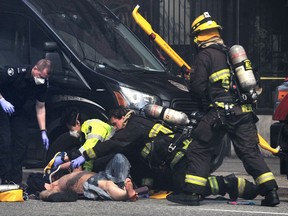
90 131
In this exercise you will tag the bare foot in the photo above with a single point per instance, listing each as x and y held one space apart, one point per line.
132 195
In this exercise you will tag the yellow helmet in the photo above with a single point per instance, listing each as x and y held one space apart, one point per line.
203 22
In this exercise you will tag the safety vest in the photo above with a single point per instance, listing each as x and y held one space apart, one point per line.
95 130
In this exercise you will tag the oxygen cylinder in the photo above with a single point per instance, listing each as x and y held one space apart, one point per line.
168 115
243 68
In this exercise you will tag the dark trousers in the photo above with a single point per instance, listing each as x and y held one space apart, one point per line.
13 145
243 133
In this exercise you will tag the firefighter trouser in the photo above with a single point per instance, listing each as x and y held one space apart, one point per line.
243 133
236 187
217 185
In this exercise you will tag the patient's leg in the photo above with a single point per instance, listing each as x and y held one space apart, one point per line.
119 194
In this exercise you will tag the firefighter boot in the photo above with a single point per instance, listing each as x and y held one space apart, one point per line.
231 182
216 186
271 198
184 198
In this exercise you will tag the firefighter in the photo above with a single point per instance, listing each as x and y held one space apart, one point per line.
151 141
230 111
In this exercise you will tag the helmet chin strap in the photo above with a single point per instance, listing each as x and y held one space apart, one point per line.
195 40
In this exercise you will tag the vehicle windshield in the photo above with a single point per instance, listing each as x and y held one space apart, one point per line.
95 36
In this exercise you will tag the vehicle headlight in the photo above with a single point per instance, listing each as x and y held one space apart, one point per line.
136 99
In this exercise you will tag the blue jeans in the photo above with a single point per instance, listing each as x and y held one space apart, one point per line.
117 170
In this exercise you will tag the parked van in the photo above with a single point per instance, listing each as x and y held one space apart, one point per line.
98 62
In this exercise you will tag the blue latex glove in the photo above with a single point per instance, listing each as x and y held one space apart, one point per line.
7 106
77 162
57 161
45 140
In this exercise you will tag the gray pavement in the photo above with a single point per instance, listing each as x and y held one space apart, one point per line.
155 207
230 165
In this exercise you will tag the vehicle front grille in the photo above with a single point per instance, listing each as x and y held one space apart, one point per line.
185 105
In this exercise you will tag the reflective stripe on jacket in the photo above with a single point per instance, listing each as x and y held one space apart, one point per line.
95 130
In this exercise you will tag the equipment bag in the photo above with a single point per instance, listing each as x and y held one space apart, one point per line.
11 193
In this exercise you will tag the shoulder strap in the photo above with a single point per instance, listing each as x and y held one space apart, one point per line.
233 79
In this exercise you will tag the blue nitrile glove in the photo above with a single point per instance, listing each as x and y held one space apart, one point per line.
7 106
58 161
45 139
77 162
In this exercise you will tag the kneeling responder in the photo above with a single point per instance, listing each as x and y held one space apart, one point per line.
150 140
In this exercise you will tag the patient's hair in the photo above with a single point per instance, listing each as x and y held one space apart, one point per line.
63 196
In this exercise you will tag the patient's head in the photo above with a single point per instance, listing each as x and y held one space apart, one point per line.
58 196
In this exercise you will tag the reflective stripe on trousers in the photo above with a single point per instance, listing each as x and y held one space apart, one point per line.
264 178
214 185
196 180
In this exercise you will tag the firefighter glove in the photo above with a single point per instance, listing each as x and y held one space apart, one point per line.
77 162
45 139
7 106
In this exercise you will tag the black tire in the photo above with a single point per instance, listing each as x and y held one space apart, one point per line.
64 142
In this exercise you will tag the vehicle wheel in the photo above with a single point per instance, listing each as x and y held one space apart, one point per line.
64 142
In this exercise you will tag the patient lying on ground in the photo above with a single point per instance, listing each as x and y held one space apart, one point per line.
92 185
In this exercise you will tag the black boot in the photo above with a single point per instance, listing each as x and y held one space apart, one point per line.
271 198
231 182
184 198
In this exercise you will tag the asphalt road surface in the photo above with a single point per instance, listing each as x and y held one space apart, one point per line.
155 207
149 207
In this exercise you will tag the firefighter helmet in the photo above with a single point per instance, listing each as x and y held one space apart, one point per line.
203 22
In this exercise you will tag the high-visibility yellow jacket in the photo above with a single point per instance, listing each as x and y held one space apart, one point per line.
95 130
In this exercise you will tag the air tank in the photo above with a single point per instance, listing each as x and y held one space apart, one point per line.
242 67
166 114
